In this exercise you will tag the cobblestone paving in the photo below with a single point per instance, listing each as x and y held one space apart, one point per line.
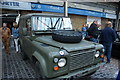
15 67
108 71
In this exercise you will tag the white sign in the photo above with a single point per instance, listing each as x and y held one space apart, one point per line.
15 5
90 20
67 0
111 16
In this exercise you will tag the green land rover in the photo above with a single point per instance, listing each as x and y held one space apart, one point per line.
55 48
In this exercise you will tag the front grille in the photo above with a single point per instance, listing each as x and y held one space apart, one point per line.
80 60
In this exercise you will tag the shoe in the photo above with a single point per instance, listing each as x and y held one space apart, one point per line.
8 53
107 62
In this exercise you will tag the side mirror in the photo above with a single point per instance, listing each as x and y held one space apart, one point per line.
24 31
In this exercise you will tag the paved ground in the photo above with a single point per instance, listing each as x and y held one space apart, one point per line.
108 70
15 67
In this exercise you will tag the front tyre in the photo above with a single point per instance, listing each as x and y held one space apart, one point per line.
24 56
39 71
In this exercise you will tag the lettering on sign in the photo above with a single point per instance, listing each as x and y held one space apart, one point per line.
55 8
10 3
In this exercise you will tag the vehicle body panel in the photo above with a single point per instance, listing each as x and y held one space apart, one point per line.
80 56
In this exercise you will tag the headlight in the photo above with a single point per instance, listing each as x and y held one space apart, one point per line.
62 62
61 53
97 54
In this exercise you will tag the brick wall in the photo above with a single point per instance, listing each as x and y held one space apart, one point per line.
78 21
103 22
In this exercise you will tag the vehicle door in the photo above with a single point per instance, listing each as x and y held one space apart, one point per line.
26 37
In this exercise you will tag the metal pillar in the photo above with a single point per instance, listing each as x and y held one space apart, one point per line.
1 46
66 8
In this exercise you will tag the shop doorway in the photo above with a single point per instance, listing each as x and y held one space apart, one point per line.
9 19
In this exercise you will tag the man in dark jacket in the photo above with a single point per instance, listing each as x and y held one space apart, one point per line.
107 37
93 31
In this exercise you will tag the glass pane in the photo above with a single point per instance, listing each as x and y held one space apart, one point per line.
48 23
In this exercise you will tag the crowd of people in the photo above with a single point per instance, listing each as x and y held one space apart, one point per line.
105 37
6 37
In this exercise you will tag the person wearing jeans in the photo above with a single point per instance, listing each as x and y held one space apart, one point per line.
108 48
84 31
93 31
15 34
107 37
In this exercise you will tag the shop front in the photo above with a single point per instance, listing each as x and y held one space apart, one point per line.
11 11
78 16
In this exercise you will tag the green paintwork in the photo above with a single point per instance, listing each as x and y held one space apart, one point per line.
45 49
67 46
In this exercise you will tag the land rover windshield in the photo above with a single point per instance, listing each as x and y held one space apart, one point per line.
51 23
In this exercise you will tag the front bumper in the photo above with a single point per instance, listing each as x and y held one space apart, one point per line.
82 72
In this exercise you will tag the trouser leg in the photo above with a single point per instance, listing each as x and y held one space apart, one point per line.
109 52
8 45
4 44
16 44
108 48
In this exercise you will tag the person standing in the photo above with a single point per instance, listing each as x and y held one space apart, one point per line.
84 31
93 31
15 35
6 35
107 37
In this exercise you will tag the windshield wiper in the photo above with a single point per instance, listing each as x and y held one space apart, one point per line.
44 23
